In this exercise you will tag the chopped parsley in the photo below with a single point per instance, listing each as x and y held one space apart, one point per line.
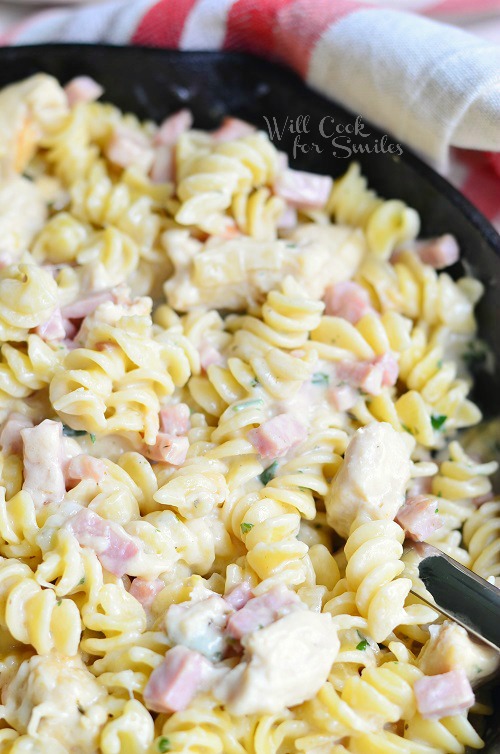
320 378
245 527
248 404
268 473
362 645
436 510
163 744
407 429
254 382
82 581
92 437
70 432
437 421
440 494
440 364
59 603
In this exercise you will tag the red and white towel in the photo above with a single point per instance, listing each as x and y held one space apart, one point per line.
433 86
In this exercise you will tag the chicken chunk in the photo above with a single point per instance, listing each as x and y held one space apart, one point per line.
42 460
284 664
450 648
372 479
199 624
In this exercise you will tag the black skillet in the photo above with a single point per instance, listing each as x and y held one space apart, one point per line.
153 83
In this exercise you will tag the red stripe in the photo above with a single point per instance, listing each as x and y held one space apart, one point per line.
482 182
163 24
250 26
454 7
305 26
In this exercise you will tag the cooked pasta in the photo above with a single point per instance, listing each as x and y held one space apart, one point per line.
228 391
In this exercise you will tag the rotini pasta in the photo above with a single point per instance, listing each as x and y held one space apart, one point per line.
228 391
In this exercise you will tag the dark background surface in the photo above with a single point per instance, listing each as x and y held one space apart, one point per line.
153 83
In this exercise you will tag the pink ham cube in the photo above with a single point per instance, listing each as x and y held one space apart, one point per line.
173 684
10 436
418 516
168 449
114 548
128 147
277 436
439 252
261 611
53 328
173 127
86 305
232 128
347 300
443 695
301 189
239 596
175 419
342 397
82 89
84 467
145 591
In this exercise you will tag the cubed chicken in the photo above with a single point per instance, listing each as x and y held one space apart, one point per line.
116 551
344 247
262 611
10 436
443 695
82 89
419 517
175 419
42 461
347 300
174 683
168 449
199 624
284 664
439 252
372 479
301 189
451 648
275 437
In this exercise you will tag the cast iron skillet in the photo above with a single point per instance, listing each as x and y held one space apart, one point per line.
153 83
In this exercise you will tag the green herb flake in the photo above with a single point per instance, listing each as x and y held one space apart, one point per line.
254 382
247 404
407 429
362 645
437 510
163 744
70 432
440 364
437 421
245 527
92 438
440 494
59 603
320 378
82 581
268 473
305 489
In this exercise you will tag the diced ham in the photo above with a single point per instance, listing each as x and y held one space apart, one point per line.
232 128
261 611
369 376
114 548
209 355
53 328
87 305
42 460
421 485
128 147
168 449
239 596
84 466
347 300
277 436
10 436
342 397
82 89
288 219
418 517
481 499
173 126
443 695
146 591
439 252
175 419
175 681
163 167
303 189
